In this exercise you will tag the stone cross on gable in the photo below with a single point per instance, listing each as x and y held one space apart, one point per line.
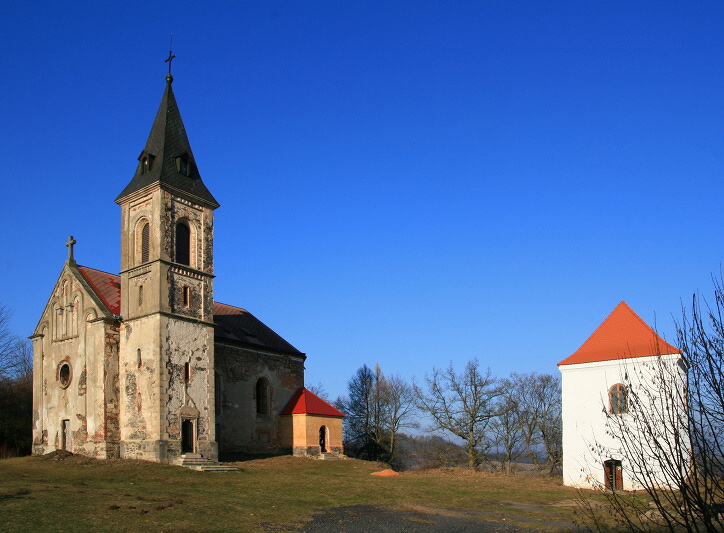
69 244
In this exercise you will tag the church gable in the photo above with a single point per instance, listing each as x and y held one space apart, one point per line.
72 301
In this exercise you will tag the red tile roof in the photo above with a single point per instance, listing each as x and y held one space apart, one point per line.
305 402
106 286
231 323
622 335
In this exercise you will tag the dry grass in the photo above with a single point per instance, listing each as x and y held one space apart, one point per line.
280 493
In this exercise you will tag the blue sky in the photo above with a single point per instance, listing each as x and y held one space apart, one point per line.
409 183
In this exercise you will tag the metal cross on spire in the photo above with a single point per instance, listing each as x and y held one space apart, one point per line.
169 59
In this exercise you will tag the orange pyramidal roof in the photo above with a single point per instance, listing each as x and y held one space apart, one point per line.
622 335
305 402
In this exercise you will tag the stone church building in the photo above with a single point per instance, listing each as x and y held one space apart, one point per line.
146 364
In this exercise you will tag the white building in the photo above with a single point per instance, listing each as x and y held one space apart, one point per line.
624 415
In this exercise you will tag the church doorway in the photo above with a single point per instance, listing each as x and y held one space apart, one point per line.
187 436
613 474
65 435
323 437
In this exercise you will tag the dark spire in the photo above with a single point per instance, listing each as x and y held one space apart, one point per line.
167 157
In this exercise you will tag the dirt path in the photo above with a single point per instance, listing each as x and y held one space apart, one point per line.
422 519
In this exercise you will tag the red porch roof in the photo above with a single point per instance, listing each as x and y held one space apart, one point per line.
305 402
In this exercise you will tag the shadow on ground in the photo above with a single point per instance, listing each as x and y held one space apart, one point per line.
366 518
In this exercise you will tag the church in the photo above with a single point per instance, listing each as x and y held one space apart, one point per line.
146 364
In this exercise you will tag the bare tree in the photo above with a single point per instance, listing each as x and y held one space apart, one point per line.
16 390
506 428
539 415
676 424
10 346
462 404
318 390
397 399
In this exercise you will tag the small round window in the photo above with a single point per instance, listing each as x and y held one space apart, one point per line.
64 375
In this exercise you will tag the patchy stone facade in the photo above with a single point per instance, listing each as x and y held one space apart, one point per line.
146 364
246 422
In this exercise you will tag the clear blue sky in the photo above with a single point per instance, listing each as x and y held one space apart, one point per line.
407 183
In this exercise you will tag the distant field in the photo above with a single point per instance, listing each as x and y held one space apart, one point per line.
273 494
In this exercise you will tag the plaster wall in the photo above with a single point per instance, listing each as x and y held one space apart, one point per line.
590 438
301 431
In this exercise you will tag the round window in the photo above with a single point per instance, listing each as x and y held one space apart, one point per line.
64 374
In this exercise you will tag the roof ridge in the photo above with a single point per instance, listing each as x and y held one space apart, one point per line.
229 305
98 270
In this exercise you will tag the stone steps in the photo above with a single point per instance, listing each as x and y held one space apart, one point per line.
330 456
195 461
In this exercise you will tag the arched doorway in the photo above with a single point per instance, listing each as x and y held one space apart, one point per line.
323 438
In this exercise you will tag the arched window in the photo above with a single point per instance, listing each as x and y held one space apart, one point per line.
262 396
183 244
145 231
618 399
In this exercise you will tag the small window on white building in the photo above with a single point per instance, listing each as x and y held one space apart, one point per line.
618 399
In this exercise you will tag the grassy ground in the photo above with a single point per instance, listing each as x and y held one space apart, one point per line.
279 494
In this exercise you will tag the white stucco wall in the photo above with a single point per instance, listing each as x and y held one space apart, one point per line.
590 437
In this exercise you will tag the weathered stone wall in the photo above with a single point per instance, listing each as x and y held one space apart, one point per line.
189 393
157 394
240 427
75 374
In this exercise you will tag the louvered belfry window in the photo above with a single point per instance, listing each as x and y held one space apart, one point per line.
145 231
183 244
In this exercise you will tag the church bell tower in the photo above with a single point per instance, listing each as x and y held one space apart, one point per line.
166 353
